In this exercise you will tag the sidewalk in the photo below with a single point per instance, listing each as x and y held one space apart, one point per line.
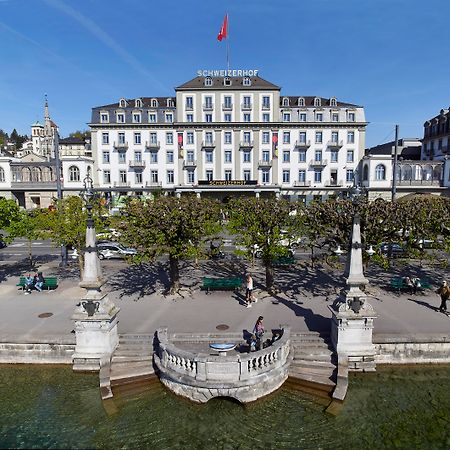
303 305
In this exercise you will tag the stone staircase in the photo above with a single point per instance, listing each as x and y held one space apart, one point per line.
314 366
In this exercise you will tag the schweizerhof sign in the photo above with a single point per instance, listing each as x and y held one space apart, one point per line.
228 73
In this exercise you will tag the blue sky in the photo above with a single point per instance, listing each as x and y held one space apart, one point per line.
391 56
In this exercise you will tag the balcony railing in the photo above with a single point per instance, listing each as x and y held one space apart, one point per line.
265 107
138 164
121 184
152 145
208 144
189 107
264 163
334 182
227 106
335 144
419 182
120 145
246 106
208 106
302 183
302 144
246 144
318 163
192 163
153 184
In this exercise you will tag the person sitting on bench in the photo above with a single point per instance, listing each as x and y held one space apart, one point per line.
39 281
29 283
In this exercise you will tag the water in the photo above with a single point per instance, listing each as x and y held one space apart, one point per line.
52 407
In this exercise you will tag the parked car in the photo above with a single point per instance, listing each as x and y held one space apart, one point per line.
112 250
292 242
2 244
392 249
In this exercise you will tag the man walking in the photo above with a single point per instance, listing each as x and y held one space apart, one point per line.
444 292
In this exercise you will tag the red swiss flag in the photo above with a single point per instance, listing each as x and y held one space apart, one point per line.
223 33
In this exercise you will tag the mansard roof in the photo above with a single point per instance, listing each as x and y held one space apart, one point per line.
146 103
72 141
309 102
237 83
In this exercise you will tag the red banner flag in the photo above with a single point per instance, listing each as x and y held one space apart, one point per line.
223 33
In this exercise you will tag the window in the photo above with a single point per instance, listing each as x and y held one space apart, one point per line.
265 176
208 81
170 179
366 173
334 136
208 118
317 175
209 175
247 156
138 177
318 137
228 175
138 156
190 156
246 117
189 137
335 117
136 117
227 117
228 157
350 156
302 117
266 102
227 102
318 155
266 117
189 118
154 176
190 176
247 137
169 117
137 138
247 103
105 138
122 103
120 118
209 137
246 81
349 175
247 175
152 117
189 103
153 138
208 102
227 137
104 117
380 172
285 101
266 155
317 102
334 156
122 157
209 156
351 137
286 176
107 176
286 117
74 173
106 159
301 102
333 102
169 137
153 157
286 156
265 137
302 176
302 137
121 138
154 103
286 137
169 157
122 176
351 117
319 117
302 156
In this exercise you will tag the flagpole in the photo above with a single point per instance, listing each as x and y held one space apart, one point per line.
228 45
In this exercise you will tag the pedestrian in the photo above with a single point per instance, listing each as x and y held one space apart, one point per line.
29 282
409 284
39 281
444 292
249 290
416 284
258 331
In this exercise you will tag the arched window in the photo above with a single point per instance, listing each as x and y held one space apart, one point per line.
301 101
380 172
437 173
138 103
154 103
36 174
333 101
406 173
366 172
227 81
317 102
2 175
74 173
208 81
427 172
285 101
169 102
122 103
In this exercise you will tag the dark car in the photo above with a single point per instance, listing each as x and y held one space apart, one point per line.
2 244
392 249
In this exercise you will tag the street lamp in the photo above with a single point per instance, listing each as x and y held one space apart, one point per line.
370 251
338 252
87 195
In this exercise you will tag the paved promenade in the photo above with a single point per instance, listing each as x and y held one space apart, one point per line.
138 291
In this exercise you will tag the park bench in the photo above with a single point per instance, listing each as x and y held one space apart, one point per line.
49 284
221 284
283 261
398 283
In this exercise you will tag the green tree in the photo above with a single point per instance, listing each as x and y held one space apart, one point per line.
9 212
176 226
261 221
80 134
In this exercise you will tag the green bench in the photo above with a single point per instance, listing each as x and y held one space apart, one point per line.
49 284
398 284
283 261
221 284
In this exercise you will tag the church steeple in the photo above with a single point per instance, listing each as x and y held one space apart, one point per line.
46 113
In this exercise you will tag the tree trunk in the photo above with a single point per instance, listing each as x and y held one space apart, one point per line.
269 277
30 253
81 263
312 257
174 272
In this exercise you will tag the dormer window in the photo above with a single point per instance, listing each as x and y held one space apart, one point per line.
169 102
301 102
317 102
285 101
246 81
122 103
208 81
104 117
138 103
333 102
120 118
154 103
227 81
136 117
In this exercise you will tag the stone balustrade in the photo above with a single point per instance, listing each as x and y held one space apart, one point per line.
243 376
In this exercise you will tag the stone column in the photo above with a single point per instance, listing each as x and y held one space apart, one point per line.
352 316
95 316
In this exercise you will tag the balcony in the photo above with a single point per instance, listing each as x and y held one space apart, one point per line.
264 163
335 144
137 164
152 145
189 107
208 106
121 184
302 183
246 106
120 145
265 107
227 106
318 163
189 164
302 144
333 182
208 144
419 183
246 144
153 184
32 185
